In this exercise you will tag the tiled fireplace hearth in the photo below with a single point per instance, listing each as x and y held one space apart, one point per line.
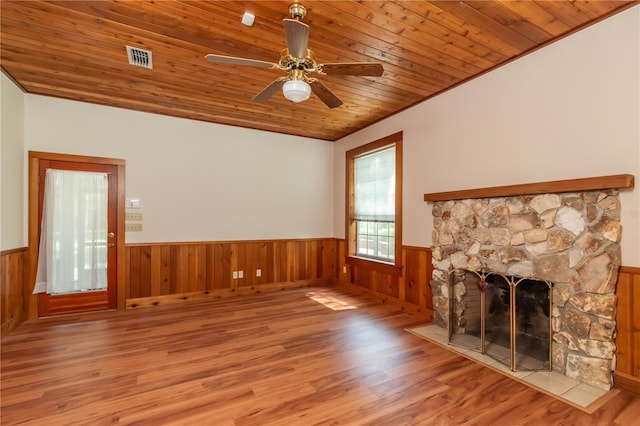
566 233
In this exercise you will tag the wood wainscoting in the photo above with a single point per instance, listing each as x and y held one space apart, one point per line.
409 290
162 273
627 374
13 287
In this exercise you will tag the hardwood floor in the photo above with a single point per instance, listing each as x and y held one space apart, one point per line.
272 359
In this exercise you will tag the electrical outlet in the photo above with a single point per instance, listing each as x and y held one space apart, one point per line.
258 272
240 274
133 227
235 275
133 216
344 269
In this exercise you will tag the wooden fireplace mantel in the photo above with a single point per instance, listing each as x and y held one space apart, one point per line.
551 187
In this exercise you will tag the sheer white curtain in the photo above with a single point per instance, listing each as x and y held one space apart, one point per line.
73 246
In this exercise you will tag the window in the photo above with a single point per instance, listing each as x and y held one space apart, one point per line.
374 200
375 208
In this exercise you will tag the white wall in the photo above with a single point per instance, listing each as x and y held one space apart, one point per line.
197 181
569 110
12 213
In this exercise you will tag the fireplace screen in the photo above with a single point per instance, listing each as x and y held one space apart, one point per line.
503 316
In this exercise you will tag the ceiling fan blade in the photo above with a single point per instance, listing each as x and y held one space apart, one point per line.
325 94
297 34
233 60
373 69
269 90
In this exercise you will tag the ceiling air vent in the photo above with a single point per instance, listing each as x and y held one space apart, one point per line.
139 57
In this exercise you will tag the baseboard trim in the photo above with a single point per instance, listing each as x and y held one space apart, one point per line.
172 299
12 324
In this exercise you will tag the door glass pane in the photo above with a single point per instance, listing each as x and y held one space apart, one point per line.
73 246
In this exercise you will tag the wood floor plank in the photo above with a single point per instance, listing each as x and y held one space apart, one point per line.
312 356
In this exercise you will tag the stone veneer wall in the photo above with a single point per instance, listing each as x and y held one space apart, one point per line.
571 239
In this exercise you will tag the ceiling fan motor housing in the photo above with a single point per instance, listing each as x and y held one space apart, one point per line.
289 62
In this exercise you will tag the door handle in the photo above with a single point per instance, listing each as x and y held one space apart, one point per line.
111 235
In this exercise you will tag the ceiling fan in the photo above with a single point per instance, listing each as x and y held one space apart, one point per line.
298 61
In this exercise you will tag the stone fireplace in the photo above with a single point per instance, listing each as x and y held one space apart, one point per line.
570 239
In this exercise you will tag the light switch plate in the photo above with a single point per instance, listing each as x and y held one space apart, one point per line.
133 203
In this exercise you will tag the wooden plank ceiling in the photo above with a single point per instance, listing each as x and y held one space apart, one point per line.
76 50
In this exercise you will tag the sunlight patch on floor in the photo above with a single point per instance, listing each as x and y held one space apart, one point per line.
330 302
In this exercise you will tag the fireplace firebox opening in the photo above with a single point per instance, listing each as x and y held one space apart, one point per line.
506 317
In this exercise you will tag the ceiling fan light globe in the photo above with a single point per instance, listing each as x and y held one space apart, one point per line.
296 90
